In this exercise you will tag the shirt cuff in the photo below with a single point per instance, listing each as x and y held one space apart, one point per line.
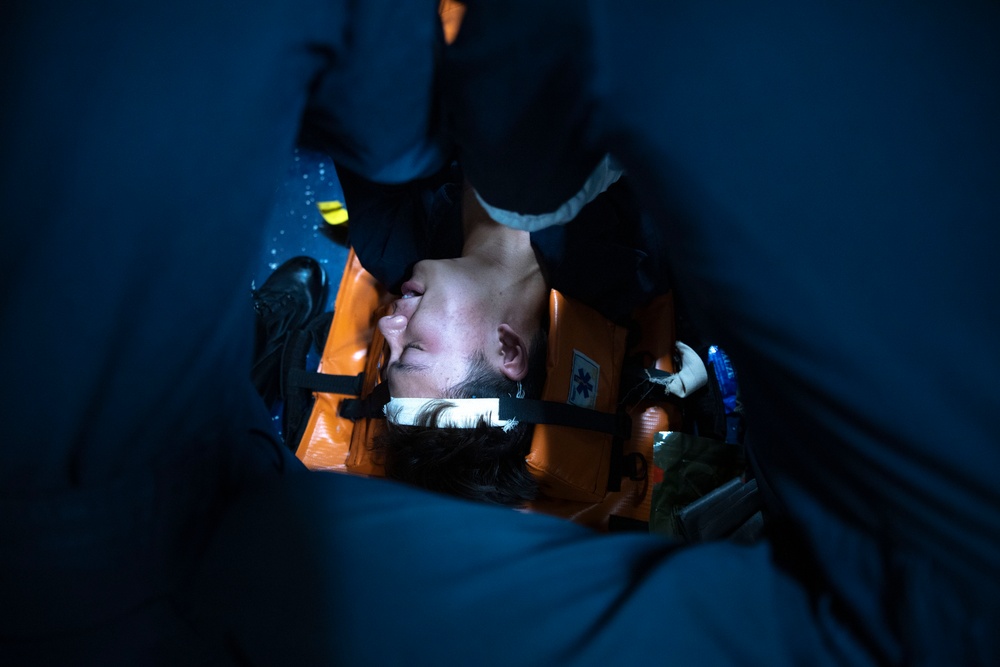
606 173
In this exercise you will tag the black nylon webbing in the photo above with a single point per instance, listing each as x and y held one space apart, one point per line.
563 414
326 384
370 407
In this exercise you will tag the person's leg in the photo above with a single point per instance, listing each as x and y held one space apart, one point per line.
291 297
140 152
335 568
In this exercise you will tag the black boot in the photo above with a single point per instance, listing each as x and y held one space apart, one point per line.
291 296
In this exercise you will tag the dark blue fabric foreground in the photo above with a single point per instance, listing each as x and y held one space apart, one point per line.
826 174
141 147
364 571
827 180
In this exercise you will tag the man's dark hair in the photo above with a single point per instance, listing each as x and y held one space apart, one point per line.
484 463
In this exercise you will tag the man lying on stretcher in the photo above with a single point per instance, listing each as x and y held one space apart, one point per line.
469 327
471 322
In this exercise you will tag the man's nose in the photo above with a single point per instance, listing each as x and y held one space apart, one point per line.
392 325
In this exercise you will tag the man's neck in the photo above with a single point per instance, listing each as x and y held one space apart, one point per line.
507 259
493 242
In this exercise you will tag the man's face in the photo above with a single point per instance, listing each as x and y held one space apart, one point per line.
435 328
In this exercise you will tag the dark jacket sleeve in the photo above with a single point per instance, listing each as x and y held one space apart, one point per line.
375 106
392 227
517 104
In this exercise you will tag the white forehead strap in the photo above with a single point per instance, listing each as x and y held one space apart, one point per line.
459 413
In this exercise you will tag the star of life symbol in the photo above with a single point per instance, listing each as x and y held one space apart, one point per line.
583 381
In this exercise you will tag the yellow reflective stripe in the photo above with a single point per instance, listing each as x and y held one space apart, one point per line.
332 211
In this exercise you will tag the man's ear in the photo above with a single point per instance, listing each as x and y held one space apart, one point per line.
514 352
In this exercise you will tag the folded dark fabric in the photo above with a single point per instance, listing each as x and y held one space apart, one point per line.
731 511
